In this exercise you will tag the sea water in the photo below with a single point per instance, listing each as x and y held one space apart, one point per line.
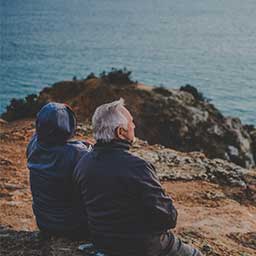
206 43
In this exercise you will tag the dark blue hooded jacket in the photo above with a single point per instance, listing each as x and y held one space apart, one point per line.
51 160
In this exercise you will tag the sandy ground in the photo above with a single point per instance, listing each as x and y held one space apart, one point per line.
207 218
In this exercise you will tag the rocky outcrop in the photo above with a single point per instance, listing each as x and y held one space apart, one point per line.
178 119
171 165
174 165
252 132
216 199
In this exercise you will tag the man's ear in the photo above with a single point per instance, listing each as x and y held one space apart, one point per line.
120 133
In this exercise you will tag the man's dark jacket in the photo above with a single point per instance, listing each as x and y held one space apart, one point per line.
51 159
125 202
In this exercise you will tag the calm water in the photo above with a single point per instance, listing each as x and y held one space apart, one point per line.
207 43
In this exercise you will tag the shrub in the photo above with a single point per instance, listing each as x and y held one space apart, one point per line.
21 108
90 76
117 76
162 90
192 90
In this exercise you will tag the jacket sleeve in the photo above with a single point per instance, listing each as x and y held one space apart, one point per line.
158 209
31 145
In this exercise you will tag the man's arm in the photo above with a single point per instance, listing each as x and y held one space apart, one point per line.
158 208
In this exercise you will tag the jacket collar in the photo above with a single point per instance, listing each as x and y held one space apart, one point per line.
114 144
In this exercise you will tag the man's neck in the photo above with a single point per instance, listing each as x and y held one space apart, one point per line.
115 143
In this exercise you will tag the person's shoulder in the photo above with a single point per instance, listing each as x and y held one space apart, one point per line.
75 150
137 163
140 169
77 145
130 157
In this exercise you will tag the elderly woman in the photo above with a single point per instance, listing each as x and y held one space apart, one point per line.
51 159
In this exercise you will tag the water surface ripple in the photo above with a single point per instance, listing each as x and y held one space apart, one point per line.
206 43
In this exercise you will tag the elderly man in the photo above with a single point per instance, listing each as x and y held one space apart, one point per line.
128 212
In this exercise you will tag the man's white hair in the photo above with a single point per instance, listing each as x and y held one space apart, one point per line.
106 119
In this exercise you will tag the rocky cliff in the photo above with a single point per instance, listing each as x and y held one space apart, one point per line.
180 119
215 199
183 135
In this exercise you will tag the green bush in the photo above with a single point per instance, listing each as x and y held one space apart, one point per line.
90 76
21 108
192 90
117 76
162 90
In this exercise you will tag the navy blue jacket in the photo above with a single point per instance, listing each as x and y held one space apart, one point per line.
51 159
125 202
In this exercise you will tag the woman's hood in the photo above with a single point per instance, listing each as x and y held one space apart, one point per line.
55 123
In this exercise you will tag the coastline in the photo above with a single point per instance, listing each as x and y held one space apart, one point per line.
182 119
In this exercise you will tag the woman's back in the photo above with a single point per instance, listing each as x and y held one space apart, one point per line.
51 159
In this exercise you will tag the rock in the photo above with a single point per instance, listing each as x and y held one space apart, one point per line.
174 165
178 119
12 187
5 162
233 151
207 248
2 122
247 239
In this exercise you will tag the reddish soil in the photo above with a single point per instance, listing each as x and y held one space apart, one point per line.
207 218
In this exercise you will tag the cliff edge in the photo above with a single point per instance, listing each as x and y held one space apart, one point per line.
181 119
216 199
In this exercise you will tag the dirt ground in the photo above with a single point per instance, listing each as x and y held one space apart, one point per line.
207 218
